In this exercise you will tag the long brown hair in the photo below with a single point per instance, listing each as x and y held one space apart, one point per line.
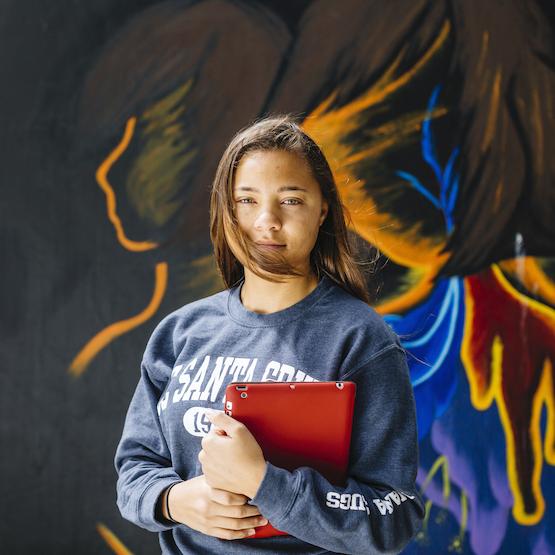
333 253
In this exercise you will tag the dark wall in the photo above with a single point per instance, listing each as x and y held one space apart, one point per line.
438 121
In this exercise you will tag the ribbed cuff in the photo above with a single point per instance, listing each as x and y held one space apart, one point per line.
276 493
147 506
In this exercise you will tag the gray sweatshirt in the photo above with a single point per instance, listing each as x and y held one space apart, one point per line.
198 349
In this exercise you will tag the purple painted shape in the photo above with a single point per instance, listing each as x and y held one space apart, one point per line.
498 482
487 518
541 546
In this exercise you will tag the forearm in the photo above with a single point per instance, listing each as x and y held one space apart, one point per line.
255 481
358 518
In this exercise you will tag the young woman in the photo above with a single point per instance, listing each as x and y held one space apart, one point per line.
295 308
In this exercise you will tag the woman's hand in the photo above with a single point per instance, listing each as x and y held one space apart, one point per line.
231 458
214 512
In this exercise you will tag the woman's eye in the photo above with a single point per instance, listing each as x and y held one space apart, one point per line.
293 203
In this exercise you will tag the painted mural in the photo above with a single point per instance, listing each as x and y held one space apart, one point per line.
438 120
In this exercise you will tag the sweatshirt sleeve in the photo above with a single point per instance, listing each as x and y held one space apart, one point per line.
142 458
379 510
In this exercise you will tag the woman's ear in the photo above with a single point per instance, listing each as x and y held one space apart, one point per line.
324 211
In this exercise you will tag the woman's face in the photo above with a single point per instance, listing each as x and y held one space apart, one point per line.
278 201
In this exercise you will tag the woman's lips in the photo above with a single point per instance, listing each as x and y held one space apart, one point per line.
272 247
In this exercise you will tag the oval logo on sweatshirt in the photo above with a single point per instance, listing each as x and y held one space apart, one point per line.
196 422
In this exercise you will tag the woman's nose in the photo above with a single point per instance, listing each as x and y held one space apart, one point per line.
267 219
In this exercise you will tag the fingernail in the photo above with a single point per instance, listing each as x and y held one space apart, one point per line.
252 532
263 521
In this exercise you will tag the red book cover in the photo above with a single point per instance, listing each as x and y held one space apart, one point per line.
297 424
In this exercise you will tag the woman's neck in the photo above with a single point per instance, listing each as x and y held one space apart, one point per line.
264 297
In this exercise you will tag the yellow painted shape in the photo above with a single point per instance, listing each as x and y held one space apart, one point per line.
102 180
546 313
548 397
441 463
390 134
527 270
410 298
537 123
493 111
111 332
458 540
383 88
115 544
155 177
428 507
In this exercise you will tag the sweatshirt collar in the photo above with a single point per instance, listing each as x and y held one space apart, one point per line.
240 314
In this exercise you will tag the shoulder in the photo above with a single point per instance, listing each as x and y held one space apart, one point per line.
169 335
359 319
364 332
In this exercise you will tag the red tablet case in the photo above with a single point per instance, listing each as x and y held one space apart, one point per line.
297 424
